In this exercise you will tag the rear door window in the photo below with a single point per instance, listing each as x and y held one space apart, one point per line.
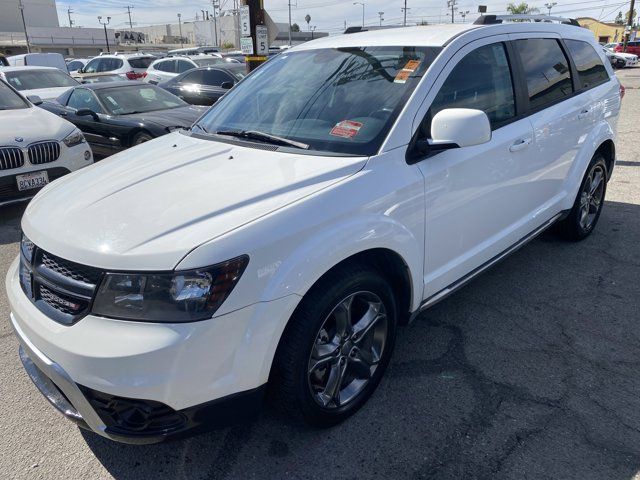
546 70
109 64
193 77
481 80
591 70
184 66
216 78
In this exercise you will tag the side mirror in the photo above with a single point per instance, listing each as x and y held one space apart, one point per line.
35 99
460 127
227 85
84 112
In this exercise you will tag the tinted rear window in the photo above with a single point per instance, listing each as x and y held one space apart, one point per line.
546 69
142 62
591 71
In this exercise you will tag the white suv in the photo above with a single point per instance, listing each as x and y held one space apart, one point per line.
36 147
167 68
129 67
283 240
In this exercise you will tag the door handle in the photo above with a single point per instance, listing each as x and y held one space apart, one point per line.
520 144
583 114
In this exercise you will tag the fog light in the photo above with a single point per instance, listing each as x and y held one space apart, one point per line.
87 155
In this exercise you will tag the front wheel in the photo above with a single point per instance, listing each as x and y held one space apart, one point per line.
336 347
587 207
141 137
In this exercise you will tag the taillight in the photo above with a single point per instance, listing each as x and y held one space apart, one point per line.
135 76
622 91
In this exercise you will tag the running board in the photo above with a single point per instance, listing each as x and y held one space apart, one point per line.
445 292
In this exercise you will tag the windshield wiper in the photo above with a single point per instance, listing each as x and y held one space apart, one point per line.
263 137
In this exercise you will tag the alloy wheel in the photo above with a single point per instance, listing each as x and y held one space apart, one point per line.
591 197
347 349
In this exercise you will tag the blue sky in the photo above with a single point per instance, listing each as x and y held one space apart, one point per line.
327 15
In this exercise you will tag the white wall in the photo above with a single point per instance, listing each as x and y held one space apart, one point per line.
37 13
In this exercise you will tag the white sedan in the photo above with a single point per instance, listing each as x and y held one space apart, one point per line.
48 83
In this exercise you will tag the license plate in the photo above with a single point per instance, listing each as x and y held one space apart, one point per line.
29 181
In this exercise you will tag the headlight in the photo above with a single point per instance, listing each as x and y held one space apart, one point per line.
74 138
181 296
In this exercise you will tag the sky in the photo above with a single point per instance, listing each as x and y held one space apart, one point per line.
326 15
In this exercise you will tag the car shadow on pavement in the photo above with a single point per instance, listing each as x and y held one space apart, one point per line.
10 217
530 371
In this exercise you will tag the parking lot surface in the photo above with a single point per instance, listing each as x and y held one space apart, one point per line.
530 371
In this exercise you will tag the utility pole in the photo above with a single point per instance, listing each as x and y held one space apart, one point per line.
313 29
69 12
24 25
180 29
550 6
289 22
257 22
106 37
452 4
630 19
361 3
404 22
214 4
130 22
380 14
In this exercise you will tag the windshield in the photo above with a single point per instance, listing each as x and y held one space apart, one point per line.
129 99
205 62
334 100
35 79
10 100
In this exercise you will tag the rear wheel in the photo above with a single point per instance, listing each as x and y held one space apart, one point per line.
336 347
587 207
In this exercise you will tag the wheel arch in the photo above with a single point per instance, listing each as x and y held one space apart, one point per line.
608 150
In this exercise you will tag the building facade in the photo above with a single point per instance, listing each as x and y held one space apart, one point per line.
37 13
604 32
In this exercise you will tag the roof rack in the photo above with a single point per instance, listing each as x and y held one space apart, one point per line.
494 19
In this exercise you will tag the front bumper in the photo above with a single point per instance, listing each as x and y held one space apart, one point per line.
108 374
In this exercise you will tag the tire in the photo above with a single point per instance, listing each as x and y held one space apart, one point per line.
313 332
583 217
140 137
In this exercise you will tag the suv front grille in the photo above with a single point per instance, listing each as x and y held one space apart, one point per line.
44 152
61 289
11 157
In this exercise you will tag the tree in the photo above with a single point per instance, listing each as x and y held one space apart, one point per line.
295 27
522 8
307 18
619 19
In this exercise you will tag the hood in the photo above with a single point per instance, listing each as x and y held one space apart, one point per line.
147 207
46 93
35 124
174 117
625 55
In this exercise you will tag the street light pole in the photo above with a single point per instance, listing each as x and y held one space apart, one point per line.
106 37
361 3
404 22
24 25
180 29
381 19
550 6
289 22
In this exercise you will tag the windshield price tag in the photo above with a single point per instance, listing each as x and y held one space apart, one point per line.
404 74
346 129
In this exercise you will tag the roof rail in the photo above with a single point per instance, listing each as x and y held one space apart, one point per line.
493 19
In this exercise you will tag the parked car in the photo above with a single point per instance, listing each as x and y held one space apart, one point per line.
327 199
129 67
116 116
54 60
45 82
621 60
3 61
194 50
75 64
205 85
632 47
36 147
166 68
101 79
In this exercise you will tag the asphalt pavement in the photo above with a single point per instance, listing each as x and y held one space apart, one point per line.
531 371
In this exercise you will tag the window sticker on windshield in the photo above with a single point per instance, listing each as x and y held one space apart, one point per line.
346 129
412 65
402 76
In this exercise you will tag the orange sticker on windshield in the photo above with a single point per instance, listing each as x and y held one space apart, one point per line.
402 76
346 129
412 65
